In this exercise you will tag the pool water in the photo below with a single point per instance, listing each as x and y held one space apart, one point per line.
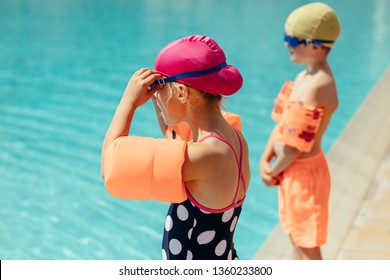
63 67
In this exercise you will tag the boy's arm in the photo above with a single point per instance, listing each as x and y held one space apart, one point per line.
269 153
286 156
265 159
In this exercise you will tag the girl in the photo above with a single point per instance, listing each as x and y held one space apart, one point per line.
189 80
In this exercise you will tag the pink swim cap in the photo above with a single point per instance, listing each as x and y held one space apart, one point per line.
197 61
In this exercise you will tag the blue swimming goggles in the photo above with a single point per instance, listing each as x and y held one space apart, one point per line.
293 41
170 79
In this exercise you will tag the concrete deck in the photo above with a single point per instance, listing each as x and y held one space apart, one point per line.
359 226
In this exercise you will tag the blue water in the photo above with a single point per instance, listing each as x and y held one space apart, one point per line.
63 67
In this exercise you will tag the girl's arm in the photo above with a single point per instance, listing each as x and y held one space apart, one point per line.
160 119
137 92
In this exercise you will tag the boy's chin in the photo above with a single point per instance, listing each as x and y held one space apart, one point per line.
295 60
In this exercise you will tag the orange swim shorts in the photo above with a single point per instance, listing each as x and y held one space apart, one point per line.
303 201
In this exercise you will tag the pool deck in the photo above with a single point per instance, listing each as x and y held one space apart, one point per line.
359 225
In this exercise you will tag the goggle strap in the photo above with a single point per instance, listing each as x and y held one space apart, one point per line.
188 75
319 41
294 41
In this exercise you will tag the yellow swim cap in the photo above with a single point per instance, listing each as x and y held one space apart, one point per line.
315 21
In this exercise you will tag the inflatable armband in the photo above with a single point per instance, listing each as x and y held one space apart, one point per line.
142 168
183 131
299 125
280 100
233 119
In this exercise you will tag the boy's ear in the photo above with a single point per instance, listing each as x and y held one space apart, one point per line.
318 48
315 48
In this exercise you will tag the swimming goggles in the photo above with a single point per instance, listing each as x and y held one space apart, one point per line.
293 41
170 79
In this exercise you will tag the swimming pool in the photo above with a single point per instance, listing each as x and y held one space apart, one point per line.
64 65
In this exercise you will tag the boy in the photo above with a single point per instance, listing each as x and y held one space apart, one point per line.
293 157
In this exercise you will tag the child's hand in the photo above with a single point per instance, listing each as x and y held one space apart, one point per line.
265 170
137 91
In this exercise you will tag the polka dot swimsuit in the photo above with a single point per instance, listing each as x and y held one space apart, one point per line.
195 232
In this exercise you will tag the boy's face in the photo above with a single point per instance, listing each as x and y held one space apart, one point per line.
300 54
296 48
303 51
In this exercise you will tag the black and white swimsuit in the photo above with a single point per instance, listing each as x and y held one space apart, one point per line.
195 232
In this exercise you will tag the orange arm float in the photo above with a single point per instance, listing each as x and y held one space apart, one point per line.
299 125
280 100
183 131
142 168
233 119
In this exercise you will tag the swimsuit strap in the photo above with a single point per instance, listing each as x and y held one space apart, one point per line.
238 160
241 175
